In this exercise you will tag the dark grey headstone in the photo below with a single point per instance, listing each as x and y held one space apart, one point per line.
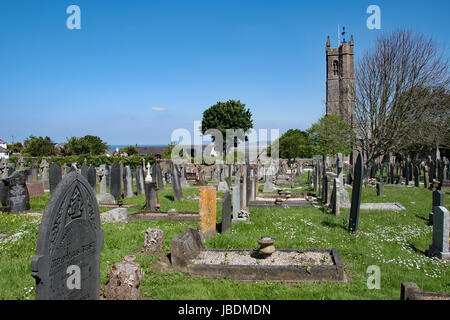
92 177
151 196
379 189
226 212
176 186
17 197
116 190
69 243
128 190
416 176
185 247
3 194
55 176
406 174
84 171
140 180
159 176
438 199
356 195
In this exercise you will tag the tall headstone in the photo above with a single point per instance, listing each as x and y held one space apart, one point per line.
140 180
127 182
85 171
92 177
116 190
425 177
379 187
177 191
437 201
55 176
44 173
67 261
441 224
226 212
356 195
207 212
159 176
335 203
236 201
416 175
151 196
17 197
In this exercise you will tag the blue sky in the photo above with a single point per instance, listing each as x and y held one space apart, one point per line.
178 57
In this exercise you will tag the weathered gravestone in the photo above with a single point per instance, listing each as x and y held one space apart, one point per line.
127 182
416 176
185 247
207 212
151 196
67 261
440 244
226 212
17 197
55 176
176 186
92 177
437 201
379 187
356 195
44 175
35 189
84 171
3 194
116 190
159 176
140 180
236 202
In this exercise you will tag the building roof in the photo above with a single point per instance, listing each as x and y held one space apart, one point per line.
3 142
3 150
155 151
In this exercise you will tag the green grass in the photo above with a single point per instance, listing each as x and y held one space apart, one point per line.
394 241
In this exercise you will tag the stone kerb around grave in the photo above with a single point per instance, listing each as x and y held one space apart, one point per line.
67 261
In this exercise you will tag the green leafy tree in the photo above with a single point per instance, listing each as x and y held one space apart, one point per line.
39 147
227 115
130 150
167 153
330 136
294 143
15 148
88 144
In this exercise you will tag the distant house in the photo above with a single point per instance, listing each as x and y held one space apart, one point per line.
154 151
4 152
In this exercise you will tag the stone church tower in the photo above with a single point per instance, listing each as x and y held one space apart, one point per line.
341 81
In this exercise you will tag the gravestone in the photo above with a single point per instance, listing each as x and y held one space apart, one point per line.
116 191
416 175
103 197
55 176
441 224
185 247
207 212
17 197
159 176
379 189
84 171
34 173
140 180
177 191
335 205
67 261
236 201
425 177
356 195
226 212
127 183
437 201
92 177
151 196
44 175
35 189
339 163
406 174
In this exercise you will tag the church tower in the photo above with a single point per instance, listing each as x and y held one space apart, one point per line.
340 81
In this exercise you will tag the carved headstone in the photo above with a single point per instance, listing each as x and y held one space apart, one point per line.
70 238
92 177
17 197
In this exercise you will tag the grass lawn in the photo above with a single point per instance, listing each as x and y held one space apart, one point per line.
393 241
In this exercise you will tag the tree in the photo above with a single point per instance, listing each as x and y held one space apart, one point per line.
330 136
130 150
295 143
92 145
39 147
388 91
15 148
227 115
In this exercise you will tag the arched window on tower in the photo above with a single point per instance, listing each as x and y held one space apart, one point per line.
335 67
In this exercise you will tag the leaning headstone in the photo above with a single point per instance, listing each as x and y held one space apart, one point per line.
356 195
55 176
440 244
185 247
124 280
92 177
67 261
17 197
207 212
151 196
226 212
437 201
116 190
